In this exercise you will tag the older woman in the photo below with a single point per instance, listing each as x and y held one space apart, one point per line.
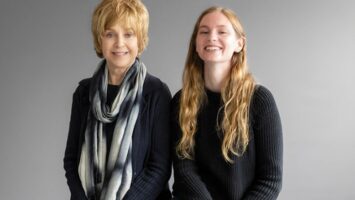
118 141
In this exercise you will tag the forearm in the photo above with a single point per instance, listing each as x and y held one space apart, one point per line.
268 149
71 172
187 182
70 160
267 188
150 182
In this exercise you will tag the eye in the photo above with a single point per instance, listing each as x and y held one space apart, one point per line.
109 34
203 32
129 34
222 32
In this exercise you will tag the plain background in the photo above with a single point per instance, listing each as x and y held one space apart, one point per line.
303 51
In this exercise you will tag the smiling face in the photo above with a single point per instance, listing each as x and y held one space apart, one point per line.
119 46
128 13
216 40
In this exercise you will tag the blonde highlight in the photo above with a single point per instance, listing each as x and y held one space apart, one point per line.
129 13
236 95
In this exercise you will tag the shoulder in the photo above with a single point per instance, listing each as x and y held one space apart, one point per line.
154 86
175 103
85 82
262 100
84 85
176 99
81 93
262 93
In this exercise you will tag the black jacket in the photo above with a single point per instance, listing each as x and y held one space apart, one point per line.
151 156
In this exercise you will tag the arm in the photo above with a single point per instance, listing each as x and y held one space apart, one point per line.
154 177
268 148
71 152
187 182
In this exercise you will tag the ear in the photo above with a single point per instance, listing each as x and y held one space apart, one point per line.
240 45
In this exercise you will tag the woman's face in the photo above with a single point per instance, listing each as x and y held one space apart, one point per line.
119 46
216 39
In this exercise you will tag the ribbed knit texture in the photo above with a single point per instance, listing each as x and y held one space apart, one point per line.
255 175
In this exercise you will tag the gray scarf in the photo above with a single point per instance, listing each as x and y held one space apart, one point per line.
110 179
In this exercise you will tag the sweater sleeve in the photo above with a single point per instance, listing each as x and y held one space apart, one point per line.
187 182
154 177
71 151
268 147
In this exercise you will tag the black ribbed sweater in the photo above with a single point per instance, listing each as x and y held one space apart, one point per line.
255 175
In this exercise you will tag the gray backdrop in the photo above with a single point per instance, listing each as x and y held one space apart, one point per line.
301 50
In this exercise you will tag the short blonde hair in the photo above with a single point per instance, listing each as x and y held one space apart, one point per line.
128 13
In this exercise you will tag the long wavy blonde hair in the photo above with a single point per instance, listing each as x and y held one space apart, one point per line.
236 94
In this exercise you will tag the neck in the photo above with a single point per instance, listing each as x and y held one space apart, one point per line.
215 74
116 75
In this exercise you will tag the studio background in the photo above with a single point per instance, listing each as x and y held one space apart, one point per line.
303 51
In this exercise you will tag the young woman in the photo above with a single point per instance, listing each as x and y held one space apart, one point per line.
227 134
118 143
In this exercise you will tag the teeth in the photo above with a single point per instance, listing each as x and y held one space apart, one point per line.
119 53
212 48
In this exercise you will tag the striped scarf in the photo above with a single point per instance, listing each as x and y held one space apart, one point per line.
110 179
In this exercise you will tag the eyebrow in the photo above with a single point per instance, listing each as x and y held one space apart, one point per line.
218 26
125 29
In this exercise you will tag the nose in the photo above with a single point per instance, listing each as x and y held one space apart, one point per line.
119 40
213 36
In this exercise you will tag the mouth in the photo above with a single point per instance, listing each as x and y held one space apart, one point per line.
120 53
212 48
